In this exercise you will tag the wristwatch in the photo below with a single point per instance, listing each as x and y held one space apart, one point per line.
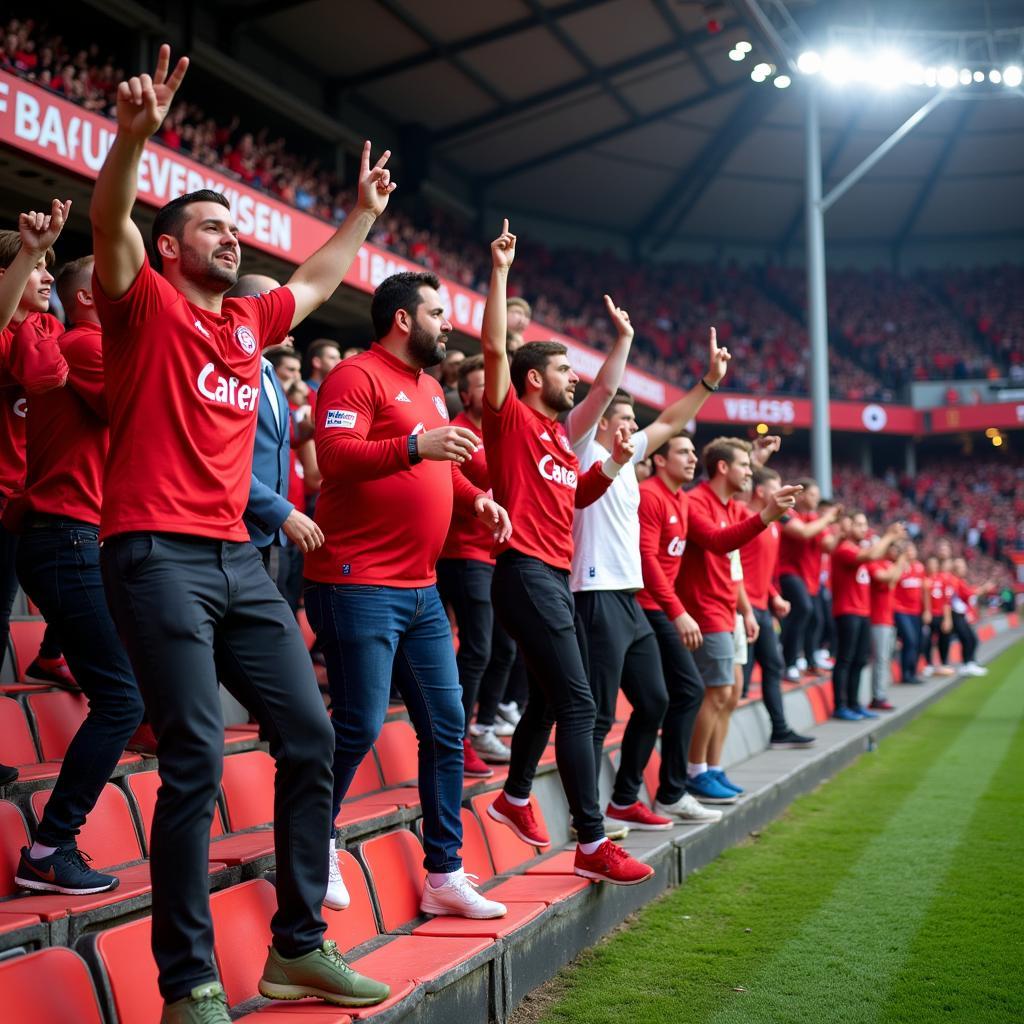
711 387
414 450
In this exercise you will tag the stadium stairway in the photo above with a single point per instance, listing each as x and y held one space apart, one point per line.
85 959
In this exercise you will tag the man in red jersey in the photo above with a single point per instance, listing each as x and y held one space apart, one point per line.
390 462
760 557
191 599
938 620
885 574
851 606
464 572
910 601
710 585
804 538
536 475
59 567
663 523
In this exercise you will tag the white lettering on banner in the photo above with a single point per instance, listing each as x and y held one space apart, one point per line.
227 391
551 470
760 410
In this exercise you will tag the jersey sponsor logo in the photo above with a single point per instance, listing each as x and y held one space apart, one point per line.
226 390
201 329
545 436
20 407
246 339
402 397
551 470
673 519
442 409
564 442
340 418
863 576
419 429
676 547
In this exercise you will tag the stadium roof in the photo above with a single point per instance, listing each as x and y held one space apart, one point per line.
629 115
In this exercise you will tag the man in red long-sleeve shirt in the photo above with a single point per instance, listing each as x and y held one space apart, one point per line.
536 474
710 585
390 463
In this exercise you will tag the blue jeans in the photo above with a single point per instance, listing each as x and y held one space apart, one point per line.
909 629
59 567
368 634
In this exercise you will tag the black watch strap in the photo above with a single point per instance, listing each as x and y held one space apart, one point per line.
710 387
414 450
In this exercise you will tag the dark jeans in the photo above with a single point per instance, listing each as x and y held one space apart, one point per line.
767 653
534 604
685 696
465 585
8 582
967 637
853 649
797 640
934 636
517 689
191 610
908 628
619 647
824 623
59 567
369 636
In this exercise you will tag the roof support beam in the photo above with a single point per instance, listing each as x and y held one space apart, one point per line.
686 40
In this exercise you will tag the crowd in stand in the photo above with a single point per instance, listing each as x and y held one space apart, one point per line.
577 553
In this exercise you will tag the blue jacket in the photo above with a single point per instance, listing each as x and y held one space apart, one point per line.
268 505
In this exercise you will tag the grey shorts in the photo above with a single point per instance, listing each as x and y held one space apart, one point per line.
715 659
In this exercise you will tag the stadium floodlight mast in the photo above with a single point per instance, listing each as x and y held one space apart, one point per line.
887 69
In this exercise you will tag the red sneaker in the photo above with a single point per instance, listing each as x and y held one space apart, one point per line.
472 766
882 705
611 863
53 672
637 816
521 820
143 741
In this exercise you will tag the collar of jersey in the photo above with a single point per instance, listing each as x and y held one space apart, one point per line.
393 361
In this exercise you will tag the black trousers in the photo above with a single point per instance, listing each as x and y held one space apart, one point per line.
685 696
853 649
908 628
620 649
8 582
501 677
59 567
533 602
965 634
465 585
767 653
191 611
933 636
824 623
797 640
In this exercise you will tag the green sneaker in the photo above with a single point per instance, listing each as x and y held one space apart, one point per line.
205 1004
322 974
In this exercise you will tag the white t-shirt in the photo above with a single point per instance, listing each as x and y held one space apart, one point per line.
606 535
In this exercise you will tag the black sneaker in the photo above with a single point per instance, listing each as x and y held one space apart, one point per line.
7 775
790 740
66 871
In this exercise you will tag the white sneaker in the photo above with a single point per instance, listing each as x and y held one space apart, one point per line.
687 809
336 897
822 660
801 663
501 727
927 672
459 897
510 712
489 747
972 668
793 674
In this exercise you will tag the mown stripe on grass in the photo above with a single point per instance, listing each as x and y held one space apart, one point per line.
845 958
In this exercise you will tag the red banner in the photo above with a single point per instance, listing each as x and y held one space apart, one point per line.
954 418
51 129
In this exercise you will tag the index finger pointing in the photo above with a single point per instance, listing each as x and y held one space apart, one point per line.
163 62
178 74
364 162
504 226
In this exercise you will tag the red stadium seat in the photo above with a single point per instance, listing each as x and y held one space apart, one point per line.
241 935
357 923
397 750
367 778
476 858
49 987
13 836
394 862
109 834
122 955
58 715
26 636
508 851
248 783
16 741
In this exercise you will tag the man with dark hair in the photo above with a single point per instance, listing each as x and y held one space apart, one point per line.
618 640
663 526
187 590
59 567
760 557
710 585
534 469
322 356
390 462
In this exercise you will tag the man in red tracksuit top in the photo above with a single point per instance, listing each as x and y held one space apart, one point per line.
710 585
59 567
536 474
390 463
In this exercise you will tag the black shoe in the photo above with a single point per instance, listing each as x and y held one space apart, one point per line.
790 740
66 871
7 775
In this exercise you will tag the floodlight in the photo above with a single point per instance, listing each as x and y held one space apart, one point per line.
736 55
995 76
757 76
1012 76
914 74
809 62
991 432
838 66
979 76
965 76
947 77
743 46
997 441
931 77
782 82
887 70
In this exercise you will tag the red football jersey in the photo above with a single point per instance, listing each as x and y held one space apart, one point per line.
663 523
468 537
709 580
851 581
536 477
881 595
799 557
384 520
940 587
182 386
760 558
908 597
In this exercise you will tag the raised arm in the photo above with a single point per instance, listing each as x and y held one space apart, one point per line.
678 414
584 416
316 280
891 575
497 378
142 105
798 528
38 232
873 552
